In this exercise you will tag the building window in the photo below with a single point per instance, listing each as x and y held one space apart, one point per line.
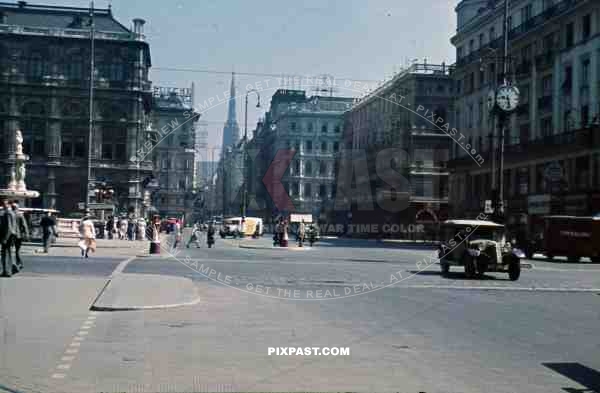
107 151
585 115
336 147
492 34
310 127
585 72
471 46
523 174
120 152
510 23
337 129
546 126
297 168
526 13
322 191
79 149
459 52
293 126
570 35
324 129
295 189
587 27
481 39
322 169
307 168
568 81
307 190
547 85
308 146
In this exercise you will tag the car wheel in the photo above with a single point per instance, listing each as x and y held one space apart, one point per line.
595 259
573 259
549 257
514 269
469 266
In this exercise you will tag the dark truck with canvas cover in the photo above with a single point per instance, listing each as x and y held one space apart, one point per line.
569 236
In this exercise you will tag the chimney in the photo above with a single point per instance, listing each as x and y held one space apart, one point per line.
22 4
138 26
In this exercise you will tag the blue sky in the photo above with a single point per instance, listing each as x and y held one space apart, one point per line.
358 39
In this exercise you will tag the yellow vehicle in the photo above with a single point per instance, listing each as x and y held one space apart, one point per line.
233 226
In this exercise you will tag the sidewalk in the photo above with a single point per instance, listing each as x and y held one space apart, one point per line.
104 247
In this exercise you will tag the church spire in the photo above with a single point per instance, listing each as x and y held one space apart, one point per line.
231 131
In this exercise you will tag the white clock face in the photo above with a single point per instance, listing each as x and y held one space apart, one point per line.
491 100
507 98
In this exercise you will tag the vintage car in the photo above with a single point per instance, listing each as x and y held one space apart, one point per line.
480 246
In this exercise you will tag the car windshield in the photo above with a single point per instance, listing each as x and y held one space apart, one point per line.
443 155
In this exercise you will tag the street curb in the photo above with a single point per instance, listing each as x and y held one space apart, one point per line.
153 307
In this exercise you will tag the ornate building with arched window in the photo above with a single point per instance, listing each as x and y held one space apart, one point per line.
45 92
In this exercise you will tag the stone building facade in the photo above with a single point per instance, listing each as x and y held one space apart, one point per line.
311 127
174 154
552 149
398 130
44 92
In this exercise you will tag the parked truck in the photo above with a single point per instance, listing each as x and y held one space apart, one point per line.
568 236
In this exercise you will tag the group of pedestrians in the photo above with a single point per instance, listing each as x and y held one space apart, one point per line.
280 237
124 228
198 235
13 231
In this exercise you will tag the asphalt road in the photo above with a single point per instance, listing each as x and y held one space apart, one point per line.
417 332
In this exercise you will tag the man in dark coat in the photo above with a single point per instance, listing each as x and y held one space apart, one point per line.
22 233
48 229
8 232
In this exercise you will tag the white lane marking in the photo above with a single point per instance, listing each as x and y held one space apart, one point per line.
64 366
499 288
91 317
58 376
86 327
75 344
72 351
120 267
77 338
67 358
82 333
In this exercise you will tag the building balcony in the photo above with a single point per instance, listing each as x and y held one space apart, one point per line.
540 148
69 33
527 26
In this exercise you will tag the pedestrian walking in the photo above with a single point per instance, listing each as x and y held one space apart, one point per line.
154 235
284 234
142 229
87 233
122 228
22 233
195 236
110 224
8 232
210 235
176 237
301 233
48 230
